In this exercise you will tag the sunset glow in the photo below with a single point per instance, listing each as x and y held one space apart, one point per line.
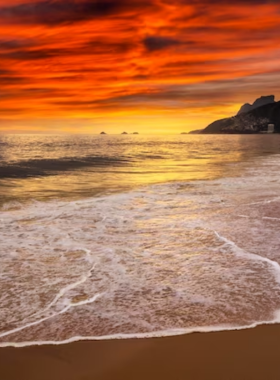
152 66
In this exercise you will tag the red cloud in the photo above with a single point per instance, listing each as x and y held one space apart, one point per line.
67 59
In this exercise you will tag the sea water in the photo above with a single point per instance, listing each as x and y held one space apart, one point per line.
106 237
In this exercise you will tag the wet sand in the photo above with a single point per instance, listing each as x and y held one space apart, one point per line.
232 355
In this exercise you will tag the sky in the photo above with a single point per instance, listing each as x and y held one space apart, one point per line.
152 66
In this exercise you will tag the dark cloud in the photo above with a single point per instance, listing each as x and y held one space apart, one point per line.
19 52
90 70
14 92
4 72
69 11
191 63
30 55
73 103
140 77
7 79
177 96
43 92
191 47
11 111
67 78
12 44
154 43
225 2
106 46
171 93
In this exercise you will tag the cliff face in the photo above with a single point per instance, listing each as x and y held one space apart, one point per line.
262 101
254 121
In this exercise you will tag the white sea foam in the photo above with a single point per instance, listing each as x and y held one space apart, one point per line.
155 334
66 308
161 260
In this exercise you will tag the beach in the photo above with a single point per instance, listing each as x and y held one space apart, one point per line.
101 264
250 354
139 190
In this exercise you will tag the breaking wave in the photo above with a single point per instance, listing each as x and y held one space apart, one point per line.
160 260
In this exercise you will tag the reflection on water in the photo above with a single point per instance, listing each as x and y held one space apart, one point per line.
179 256
45 166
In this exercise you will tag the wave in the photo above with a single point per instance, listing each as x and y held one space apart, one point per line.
161 260
45 167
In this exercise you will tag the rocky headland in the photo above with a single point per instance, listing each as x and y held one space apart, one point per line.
195 132
255 118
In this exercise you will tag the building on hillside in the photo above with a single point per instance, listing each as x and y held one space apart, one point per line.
270 128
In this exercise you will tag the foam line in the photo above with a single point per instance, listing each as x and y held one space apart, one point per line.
262 202
63 291
84 302
250 255
154 334
264 217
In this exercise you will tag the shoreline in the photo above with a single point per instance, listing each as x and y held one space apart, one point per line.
153 335
248 354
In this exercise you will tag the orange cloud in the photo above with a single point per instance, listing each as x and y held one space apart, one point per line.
83 66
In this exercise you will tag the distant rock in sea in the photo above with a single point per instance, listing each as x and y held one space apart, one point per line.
262 119
184 133
135 133
262 101
103 133
124 133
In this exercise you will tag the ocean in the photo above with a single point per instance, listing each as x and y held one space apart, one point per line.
119 236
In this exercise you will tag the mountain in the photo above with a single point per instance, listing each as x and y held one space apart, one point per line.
254 121
262 101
